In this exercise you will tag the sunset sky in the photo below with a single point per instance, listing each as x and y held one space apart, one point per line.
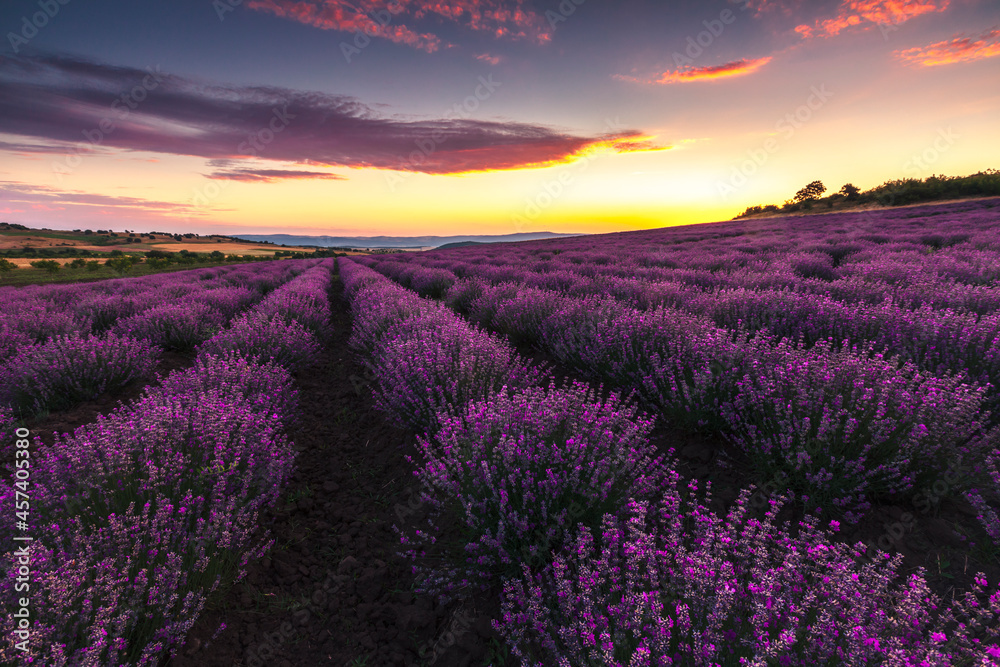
396 117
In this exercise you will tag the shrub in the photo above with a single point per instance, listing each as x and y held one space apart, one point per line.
463 293
12 341
7 425
121 265
266 387
263 339
73 368
104 310
227 301
177 327
40 322
304 299
379 307
845 428
521 470
141 516
50 265
675 584
425 373
432 283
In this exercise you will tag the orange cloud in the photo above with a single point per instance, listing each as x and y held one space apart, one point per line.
951 51
730 69
344 16
388 19
487 58
871 13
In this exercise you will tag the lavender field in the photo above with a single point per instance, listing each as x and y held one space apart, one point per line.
725 444
843 365
115 535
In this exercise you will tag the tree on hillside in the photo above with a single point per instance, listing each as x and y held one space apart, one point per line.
49 265
850 191
810 192
7 266
121 265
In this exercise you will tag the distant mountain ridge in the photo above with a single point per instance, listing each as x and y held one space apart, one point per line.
394 241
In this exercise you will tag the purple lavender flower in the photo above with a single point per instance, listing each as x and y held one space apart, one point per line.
522 469
73 368
174 326
262 338
674 584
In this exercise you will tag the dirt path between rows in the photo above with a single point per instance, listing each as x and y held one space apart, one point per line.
333 591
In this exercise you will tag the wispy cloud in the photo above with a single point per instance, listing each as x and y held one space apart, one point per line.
58 99
42 197
487 58
956 50
271 175
868 14
391 19
712 72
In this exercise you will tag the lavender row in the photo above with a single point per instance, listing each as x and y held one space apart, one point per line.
141 516
519 463
304 299
532 474
650 287
673 584
841 427
137 306
427 360
945 256
288 327
51 360
937 341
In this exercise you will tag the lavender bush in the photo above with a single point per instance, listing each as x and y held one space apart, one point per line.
674 584
141 516
12 341
521 470
304 299
7 426
228 302
262 338
430 372
104 310
267 387
73 368
41 322
178 327
846 427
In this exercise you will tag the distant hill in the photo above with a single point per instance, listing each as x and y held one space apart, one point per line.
393 241
459 244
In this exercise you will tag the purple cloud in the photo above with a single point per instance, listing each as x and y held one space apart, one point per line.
63 99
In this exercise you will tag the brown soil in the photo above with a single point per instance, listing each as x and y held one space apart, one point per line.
333 590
